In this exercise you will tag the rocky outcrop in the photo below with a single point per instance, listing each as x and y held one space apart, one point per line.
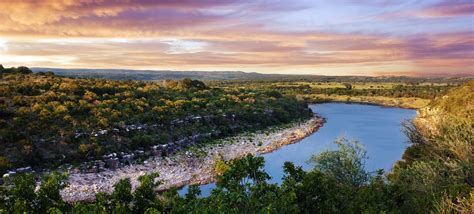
426 120
295 136
186 167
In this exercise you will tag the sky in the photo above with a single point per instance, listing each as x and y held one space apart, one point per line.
321 37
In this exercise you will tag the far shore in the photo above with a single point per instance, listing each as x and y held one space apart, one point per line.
192 166
403 102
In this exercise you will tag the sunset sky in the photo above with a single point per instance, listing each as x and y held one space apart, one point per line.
324 37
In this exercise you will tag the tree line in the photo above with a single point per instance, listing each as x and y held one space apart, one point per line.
304 88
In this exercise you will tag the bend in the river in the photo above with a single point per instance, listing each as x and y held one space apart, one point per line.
377 128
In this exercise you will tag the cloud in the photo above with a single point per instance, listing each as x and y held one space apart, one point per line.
443 9
230 35
30 12
447 52
101 17
449 8
275 52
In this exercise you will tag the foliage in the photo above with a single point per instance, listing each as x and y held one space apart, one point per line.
243 188
19 194
435 174
438 168
122 195
238 76
308 88
47 120
20 70
145 196
458 101
220 165
346 164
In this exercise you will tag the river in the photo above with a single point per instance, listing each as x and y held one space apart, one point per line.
377 128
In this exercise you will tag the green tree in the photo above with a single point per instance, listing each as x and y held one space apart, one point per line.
152 211
122 195
49 192
144 196
243 172
346 164
23 70
20 192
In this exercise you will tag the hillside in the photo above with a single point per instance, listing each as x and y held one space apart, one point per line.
151 75
437 170
47 120
458 101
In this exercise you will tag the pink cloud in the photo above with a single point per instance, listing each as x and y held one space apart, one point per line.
234 35
449 8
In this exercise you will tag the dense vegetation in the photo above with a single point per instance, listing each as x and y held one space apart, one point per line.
305 88
124 74
435 175
48 119
409 93
437 171
400 91
338 183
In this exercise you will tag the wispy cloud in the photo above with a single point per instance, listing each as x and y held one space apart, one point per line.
442 9
448 8
340 37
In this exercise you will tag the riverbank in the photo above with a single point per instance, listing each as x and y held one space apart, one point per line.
400 102
193 166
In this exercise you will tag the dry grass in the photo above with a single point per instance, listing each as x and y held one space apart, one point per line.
403 102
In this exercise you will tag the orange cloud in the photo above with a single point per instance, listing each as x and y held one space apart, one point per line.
344 53
214 35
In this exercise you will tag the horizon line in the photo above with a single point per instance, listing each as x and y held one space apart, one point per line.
415 75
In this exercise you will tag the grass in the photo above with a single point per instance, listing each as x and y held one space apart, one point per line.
411 100
403 102
355 85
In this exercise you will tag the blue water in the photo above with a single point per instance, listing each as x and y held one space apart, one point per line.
377 128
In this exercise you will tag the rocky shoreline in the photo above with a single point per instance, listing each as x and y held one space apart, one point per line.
190 166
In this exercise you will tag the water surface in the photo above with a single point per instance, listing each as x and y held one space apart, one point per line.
377 128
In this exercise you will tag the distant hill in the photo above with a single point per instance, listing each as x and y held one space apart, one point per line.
120 74
152 75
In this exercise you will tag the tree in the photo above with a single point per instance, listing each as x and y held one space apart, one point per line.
49 192
292 172
122 194
220 165
348 86
54 211
152 211
243 186
193 192
242 172
144 196
346 164
21 196
187 83
24 70
317 193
